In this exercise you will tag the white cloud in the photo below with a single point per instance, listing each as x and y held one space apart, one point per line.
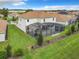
12 2
18 3
67 7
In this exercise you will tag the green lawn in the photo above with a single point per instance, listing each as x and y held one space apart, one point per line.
53 37
18 39
64 49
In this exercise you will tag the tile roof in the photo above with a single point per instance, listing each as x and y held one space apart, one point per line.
14 14
34 14
3 25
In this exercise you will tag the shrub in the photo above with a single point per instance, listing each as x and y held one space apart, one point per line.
8 50
72 27
68 30
40 39
76 26
3 55
18 52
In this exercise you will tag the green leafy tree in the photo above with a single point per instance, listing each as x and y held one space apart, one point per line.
4 12
28 10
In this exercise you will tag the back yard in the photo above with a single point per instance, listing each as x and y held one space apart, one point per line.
63 49
18 39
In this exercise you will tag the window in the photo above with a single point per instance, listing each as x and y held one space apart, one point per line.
27 20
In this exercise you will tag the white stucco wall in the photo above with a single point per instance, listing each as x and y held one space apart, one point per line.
52 20
21 24
2 37
31 21
40 20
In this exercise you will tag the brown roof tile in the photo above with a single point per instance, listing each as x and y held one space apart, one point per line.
34 14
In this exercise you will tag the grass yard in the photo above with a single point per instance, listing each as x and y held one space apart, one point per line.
53 37
18 39
64 49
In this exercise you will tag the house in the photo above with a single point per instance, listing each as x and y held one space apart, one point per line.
44 18
13 14
3 27
1 16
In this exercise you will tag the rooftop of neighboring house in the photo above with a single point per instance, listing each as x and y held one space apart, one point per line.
15 14
36 14
3 26
74 13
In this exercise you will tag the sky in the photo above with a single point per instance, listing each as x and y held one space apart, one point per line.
40 4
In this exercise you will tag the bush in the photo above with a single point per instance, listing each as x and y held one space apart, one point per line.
18 52
72 27
40 39
68 30
76 26
8 50
3 55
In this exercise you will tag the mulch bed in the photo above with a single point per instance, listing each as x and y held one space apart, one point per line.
51 41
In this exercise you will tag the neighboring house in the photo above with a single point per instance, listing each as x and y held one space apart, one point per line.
73 12
32 17
13 14
3 27
1 16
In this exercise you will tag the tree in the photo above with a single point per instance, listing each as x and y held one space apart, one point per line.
28 10
14 18
4 12
40 39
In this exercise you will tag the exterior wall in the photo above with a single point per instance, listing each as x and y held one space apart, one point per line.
66 23
50 20
2 37
31 21
21 24
40 20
